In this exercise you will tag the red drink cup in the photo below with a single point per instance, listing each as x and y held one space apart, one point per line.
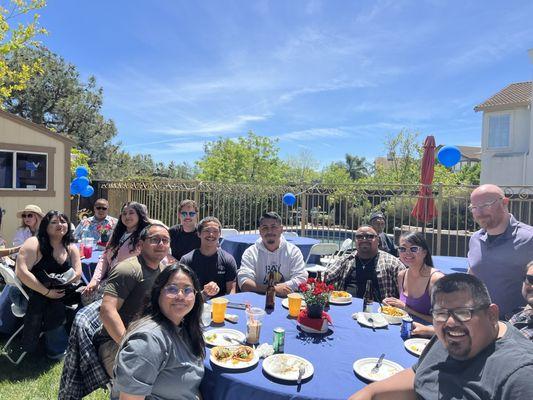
87 251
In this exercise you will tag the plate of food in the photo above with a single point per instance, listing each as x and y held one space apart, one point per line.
363 368
416 345
287 367
224 337
372 320
234 357
285 303
340 297
392 314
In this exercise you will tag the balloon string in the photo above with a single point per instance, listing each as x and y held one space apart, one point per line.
307 190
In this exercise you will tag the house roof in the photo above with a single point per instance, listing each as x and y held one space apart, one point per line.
37 127
515 94
471 152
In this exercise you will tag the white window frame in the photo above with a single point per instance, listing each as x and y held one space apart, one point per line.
14 169
510 136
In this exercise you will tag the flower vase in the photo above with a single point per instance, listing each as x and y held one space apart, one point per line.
315 310
104 237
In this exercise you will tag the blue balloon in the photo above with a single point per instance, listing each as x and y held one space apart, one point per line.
82 171
88 191
289 199
449 156
74 189
80 183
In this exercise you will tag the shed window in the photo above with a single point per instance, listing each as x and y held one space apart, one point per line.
23 170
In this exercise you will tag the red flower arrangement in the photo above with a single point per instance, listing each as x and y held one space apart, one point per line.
315 291
104 231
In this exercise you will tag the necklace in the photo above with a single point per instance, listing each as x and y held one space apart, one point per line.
368 262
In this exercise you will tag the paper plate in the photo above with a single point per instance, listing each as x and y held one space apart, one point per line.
286 367
340 300
363 367
285 303
232 363
392 318
215 337
379 320
416 345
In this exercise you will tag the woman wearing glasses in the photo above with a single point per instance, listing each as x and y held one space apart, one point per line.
123 244
415 282
184 236
31 217
162 354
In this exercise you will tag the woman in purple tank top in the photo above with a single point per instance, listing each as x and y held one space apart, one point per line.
415 282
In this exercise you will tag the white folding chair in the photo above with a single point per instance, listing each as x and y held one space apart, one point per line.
11 279
226 232
345 246
320 249
290 234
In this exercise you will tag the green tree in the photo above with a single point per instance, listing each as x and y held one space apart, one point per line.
302 168
14 38
356 166
249 159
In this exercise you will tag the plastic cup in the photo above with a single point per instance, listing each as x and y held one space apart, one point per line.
295 303
219 305
254 321
88 244
206 315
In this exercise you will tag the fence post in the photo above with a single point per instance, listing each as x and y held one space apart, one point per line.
439 217
303 218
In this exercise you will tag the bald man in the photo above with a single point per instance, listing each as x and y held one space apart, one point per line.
500 249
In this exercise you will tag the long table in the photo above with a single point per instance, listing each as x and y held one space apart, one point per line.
332 356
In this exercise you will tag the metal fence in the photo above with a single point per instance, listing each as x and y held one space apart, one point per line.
329 213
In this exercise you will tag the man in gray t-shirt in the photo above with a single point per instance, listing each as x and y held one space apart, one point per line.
473 355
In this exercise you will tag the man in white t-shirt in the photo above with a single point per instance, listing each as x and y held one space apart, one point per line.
271 253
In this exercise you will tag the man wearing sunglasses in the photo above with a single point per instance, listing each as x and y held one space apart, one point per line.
523 320
500 249
351 272
184 236
129 284
473 355
91 227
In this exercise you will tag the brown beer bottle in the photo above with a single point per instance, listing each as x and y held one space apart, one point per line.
368 299
270 294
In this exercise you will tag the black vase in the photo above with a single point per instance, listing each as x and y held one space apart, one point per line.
104 237
315 310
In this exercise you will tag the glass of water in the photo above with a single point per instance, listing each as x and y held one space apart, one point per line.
206 315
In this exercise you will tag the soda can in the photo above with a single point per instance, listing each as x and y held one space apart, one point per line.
407 327
279 340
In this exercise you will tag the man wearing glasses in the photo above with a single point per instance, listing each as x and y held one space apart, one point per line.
129 284
92 226
500 249
473 355
367 262
184 236
523 320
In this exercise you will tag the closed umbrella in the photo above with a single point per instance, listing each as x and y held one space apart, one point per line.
424 209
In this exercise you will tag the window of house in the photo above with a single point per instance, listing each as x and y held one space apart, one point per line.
499 130
23 170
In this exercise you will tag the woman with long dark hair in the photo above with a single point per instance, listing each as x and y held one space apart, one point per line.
162 354
123 245
48 264
415 282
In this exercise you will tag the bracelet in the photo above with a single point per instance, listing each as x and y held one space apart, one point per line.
47 292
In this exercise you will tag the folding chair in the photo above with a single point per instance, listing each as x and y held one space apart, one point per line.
320 249
225 232
11 279
345 246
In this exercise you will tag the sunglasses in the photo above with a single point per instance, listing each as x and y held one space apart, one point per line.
412 249
529 279
172 291
191 214
27 215
461 314
101 208
365 236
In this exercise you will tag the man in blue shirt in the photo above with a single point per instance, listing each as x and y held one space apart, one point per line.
93 226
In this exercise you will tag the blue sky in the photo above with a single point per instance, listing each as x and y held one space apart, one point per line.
325 77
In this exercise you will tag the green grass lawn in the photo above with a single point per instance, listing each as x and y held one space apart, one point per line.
35 378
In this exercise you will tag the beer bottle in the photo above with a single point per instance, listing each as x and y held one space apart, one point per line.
368 299
270 293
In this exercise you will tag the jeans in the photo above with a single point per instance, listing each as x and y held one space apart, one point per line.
17 298
56 341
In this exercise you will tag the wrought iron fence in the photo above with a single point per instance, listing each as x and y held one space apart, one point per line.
329 213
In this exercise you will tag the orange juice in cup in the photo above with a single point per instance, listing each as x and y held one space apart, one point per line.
295 302
219 305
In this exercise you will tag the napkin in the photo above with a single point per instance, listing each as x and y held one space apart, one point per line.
314 323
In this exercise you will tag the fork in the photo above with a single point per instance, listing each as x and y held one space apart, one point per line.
378 364
301 372
371 320
231 339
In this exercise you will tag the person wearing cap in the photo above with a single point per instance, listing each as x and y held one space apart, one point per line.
377 221
92 226
31 217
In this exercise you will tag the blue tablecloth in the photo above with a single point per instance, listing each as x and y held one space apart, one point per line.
236 244
449 265
332 356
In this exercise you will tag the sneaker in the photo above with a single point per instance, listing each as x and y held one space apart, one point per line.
56 357
17 311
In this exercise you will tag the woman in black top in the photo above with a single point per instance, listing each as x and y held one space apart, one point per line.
48 265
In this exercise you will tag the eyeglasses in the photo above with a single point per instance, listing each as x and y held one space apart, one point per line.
191 214
101 208
27 215
365 236
412 249
483 206
461 314
172 291
157 240
529 279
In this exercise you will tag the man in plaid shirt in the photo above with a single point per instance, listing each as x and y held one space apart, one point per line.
523 320
367 262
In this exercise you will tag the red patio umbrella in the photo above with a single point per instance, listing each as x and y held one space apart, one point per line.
424 209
